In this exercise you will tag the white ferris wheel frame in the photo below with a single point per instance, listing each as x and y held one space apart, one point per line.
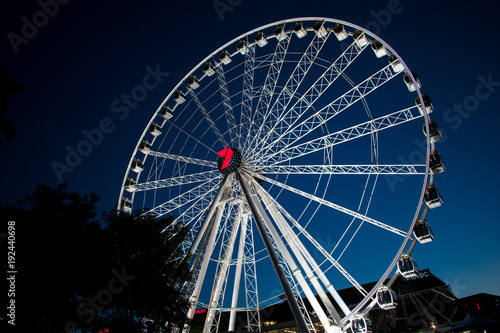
256 195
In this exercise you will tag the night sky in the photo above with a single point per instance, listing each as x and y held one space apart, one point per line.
83 59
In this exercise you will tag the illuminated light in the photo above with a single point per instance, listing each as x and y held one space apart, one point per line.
478 306
200 311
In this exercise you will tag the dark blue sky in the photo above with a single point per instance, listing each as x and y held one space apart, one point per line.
82 60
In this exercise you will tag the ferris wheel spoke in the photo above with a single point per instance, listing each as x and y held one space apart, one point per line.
272 116
340 104
247 93
186 159
268 88
333 205
185 198
316 90
367 169
226 102
314 242
191 137
351 133
176 181
206 115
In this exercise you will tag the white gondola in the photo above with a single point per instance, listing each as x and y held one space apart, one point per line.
360 38
436 164
379 49
242 47
407 267
167 112
427 103
261 39
386 298
126 205
361 324
208 69
193 82
396 64
434 130
340 32
155 129
137 165
279 33
423 232
225 58
179 97
145 147
129 185
432 197
319 29
409 83
299 30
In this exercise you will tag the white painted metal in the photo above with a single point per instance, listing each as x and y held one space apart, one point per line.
201 276
222 272
276 104
239 265
293 241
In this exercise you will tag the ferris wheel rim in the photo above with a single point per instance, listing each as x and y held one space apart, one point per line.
300 19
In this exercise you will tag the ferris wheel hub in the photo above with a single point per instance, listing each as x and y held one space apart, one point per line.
229 160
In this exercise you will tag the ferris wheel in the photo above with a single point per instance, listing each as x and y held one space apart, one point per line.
301 154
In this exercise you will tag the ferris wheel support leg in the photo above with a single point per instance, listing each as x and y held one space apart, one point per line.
315 267
209 215
296 246
297 273
206 259
237 274
273 256
222 274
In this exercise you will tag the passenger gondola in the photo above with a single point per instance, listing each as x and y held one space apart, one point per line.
225 58
379 49
427 103
434 129
208 69
432 197
193 82
386 298
299 30
407 267
436 164
145 147
360 38
167 112
361 324
155 129
137 165
423 232
409 82
242 47
340 32
129 185
279 33
260 39
126 205
396 64
319 29
179 97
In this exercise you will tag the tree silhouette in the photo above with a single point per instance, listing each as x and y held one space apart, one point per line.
74 274
149 248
